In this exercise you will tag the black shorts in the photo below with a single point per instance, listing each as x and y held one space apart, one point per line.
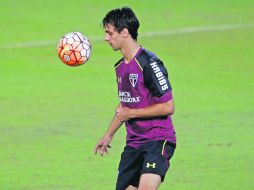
153 157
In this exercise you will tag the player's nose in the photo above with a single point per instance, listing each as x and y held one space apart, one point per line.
106 38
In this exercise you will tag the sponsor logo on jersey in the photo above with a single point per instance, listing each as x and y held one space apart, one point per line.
133 79
161 78
126 97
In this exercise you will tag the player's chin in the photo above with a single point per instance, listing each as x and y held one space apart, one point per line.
115 48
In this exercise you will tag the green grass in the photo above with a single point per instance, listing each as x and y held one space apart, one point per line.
51 115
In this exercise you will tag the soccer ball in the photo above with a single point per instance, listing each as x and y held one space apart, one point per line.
74 49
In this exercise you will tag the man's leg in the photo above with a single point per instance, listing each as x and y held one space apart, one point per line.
130 187
149 181
155 164
129 169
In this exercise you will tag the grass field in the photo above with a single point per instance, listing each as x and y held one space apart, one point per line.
51 115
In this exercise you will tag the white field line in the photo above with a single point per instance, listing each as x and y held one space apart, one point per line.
177 31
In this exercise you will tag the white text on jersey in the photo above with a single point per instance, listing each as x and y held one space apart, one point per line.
159 75
126 97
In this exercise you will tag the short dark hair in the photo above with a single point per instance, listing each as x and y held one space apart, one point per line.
122 18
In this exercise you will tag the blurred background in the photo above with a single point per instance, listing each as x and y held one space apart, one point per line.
52 115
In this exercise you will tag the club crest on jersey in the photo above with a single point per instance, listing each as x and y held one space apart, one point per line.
133 79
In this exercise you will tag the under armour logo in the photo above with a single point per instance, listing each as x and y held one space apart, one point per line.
148 165
119 80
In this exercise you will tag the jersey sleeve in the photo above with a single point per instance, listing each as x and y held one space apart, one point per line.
156 79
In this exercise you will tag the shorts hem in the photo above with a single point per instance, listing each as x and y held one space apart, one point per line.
148 172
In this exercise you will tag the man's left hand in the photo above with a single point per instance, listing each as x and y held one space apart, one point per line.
123 113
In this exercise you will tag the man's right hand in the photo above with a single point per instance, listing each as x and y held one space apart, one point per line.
103 145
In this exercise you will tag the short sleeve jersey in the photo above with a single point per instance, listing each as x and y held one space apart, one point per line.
141 83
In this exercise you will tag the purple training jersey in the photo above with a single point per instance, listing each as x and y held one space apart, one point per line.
143 82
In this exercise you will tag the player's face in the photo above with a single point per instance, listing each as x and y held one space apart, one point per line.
113 37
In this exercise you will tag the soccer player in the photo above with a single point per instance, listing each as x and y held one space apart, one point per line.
145 107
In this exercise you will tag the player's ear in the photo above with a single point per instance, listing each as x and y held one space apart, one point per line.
125 33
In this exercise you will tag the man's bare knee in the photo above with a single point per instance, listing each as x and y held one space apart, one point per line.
130 187
149 182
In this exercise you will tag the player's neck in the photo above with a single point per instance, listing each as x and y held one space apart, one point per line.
130 50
